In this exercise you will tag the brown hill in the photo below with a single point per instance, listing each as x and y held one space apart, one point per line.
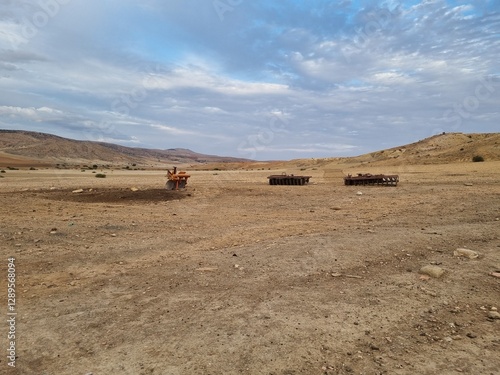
24 148
439 149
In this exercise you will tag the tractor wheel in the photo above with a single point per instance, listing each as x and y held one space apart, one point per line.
170 185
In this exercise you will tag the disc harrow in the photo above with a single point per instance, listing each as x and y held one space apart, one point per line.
371 179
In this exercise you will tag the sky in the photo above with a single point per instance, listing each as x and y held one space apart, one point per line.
264 80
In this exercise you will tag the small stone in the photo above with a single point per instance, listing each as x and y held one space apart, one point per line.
359 193
493 315
461 252
468 184
432 271
77 191
448 339
134 189
493 308
113 234
471 335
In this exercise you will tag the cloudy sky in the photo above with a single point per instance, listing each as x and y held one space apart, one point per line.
250 78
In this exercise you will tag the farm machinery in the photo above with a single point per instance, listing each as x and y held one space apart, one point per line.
284 179
371 179
176 180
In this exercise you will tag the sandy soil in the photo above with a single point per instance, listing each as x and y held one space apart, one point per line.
233 276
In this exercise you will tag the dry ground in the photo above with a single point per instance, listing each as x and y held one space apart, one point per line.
233 276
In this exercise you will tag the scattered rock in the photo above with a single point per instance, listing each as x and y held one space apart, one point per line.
493 315
359 193
432 271
461 252
471 335
468 184
53 231
495 273
77 191
134 189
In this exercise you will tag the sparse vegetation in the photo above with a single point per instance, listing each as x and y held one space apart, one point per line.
2 171
477 158
95 166
100 175
33 169
12 169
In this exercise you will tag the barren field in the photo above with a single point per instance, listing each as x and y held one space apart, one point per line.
234 276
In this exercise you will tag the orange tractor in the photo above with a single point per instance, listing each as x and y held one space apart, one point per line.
176 180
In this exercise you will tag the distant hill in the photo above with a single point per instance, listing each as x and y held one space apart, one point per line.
439 149
19 147
25 148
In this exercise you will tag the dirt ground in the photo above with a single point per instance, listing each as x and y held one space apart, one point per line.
234 276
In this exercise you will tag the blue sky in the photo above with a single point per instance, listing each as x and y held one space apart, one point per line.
256 79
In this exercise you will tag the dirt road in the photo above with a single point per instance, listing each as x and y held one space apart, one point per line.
233 276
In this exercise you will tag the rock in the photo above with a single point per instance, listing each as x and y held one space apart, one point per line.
359 193
493 315
461 252
471 335
134 189
53 231
432 271
468 184
495 274
77 191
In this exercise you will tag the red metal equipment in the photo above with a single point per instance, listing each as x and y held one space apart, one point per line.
176 180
